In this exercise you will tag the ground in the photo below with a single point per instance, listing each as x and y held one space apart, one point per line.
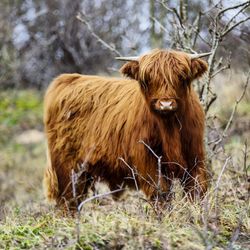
27 221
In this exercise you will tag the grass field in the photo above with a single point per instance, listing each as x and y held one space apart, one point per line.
222 221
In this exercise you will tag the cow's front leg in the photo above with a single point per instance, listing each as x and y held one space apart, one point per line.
156 188
195 178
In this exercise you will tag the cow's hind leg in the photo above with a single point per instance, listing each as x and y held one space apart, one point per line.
50 183
116 189
73 189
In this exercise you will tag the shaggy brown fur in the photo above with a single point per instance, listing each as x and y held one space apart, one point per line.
99 119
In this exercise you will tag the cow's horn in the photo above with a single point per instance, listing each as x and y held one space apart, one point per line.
195 56
128 58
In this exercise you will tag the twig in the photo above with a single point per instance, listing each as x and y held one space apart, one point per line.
132 171
150 149
161 26
234 236
206 241
217 35
217 187
74 183
221 173
211 8
111 48
232 7
220 70
159 168
234 26
177 118
178 17
97 197
230 120
197 24
83 165
245 156
211 101
236 105
159 172
234 16
173 10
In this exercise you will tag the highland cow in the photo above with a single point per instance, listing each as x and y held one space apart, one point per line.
97 120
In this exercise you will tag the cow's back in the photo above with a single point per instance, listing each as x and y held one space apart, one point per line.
94 114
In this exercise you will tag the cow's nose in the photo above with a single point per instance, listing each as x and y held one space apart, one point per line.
166 104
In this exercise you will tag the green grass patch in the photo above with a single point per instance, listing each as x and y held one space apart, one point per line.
19 110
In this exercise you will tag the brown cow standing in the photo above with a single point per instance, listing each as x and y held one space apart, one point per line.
97 119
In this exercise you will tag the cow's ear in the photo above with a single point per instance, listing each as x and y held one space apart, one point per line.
198 68
130 69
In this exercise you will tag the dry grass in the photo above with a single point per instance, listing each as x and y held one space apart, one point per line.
28 222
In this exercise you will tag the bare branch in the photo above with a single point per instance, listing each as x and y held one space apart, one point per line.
196 25
236 105
111 48
247 3
234 16
161 26
221 173
220 70
208 97
162 2
235 235
224 134
132 170
178 17
159 172
179 165
211 8
183 10
234 26
150 149
97 197
172 10
204 40
211 101
245 150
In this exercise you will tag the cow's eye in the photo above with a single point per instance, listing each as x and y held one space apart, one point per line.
181 79
144 84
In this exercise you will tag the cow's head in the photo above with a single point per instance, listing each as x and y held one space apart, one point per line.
164 77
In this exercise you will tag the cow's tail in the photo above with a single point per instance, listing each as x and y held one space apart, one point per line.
50 181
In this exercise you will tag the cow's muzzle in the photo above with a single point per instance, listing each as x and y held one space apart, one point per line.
166 105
